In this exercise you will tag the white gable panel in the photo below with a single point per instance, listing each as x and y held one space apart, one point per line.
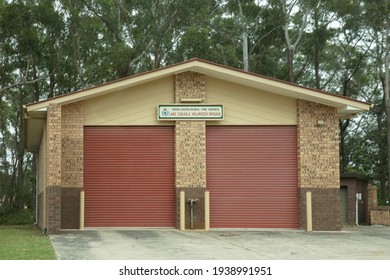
248 106
133 106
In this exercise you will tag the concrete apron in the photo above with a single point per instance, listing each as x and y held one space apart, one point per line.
364 242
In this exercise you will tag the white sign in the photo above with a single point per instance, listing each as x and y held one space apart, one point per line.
190 112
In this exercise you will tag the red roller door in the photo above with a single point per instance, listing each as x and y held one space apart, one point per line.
129 177
252 176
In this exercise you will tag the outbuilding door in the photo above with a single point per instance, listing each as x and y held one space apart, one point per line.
252 176
343 205
129 177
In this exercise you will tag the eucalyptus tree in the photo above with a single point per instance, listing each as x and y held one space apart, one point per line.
377 23
351 53
31 63
20 51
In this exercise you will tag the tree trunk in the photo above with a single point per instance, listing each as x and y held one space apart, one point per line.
290 64
19 184
245 50
244 39
291 46
317 54
343 151
387 100
386 92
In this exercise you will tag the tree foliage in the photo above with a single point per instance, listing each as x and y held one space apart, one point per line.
48 48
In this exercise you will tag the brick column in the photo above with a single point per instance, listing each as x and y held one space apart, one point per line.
72 128
318 164
190 85
372 201
190 149
53 191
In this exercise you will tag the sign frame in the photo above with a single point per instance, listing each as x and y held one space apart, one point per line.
190 112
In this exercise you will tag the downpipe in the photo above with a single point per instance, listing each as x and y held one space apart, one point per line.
37 192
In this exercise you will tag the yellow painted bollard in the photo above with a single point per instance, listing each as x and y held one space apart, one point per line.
182 211
207 210
309 214
82 210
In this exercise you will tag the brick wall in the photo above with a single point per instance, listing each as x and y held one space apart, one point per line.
379 215
372 197
318 164
72 127
325 208
190 154
54 145
53 190
70 208
318 146
190 85
190 148
53 204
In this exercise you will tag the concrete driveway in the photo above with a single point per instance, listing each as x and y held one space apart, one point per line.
354 243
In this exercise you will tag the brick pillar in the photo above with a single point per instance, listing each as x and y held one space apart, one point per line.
53 191
372 200
72 129
190 85
318 164
190 149
53 206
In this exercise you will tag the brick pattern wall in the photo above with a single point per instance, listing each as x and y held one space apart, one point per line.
372 197
70 208
54 145
318 164
190 149
72 128
190 136
53 190
325 208
72 145
53 198
190 85
190 154
318 146
379 215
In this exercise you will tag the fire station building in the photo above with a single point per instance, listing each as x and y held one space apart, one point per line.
192 145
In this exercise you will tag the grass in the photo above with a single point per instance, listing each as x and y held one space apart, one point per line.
25 242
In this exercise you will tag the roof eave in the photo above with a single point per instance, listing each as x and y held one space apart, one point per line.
35 122
216 71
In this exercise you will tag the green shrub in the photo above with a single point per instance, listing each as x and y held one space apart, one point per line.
19 218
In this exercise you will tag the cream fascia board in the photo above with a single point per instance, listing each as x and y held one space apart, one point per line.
212 70
349 111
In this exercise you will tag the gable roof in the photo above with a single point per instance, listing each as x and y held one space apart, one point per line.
346 106
35 113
